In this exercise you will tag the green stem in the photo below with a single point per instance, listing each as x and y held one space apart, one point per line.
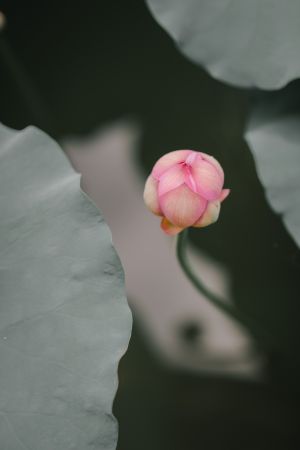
220 303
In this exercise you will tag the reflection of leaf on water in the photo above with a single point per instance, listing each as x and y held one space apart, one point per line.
64 319
241 42
273 136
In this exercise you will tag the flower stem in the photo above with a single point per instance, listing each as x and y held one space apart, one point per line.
220 303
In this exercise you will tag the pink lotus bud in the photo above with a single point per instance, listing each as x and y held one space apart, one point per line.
185 188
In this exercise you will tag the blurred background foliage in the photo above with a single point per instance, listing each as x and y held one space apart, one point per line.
69 67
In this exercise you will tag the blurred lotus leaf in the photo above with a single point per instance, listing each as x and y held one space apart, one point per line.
64 318
273 136
244 43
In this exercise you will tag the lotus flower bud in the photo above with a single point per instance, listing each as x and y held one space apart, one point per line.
185 188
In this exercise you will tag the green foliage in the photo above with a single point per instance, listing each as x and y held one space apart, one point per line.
64 319
273 136
245 43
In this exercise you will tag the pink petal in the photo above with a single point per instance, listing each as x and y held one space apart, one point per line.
165 162
189 180
182 207
169 228
208 180
171 179
214 162
192 157
210 215
224 194
151 195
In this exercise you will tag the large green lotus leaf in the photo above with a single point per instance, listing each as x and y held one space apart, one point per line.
245 43
64 319
273 136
